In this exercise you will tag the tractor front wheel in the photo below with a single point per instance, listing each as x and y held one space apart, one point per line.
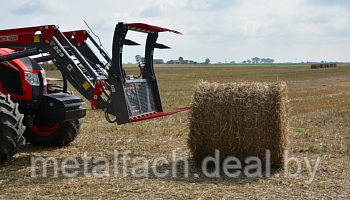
11 128
58 135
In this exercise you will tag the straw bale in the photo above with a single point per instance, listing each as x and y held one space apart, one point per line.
315 66
239 119
48 67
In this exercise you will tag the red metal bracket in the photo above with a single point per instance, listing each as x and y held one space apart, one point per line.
47 32
68 35
156 114
25 35
148 28
79 36
100 86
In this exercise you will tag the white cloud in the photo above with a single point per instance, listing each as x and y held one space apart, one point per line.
34 8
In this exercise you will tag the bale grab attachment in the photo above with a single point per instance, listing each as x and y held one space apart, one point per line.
106 86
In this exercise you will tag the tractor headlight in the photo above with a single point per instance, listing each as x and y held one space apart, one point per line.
33 79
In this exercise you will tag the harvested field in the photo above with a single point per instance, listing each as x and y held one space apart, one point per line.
319 129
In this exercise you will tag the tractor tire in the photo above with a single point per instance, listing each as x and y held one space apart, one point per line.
11 128
58 135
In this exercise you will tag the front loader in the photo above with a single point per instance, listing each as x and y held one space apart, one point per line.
49 115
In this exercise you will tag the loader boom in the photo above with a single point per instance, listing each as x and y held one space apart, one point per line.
107 88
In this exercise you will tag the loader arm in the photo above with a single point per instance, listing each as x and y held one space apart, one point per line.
107 88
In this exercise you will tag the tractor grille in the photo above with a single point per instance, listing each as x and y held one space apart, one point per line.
139 97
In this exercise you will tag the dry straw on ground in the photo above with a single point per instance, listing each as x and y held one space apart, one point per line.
240 120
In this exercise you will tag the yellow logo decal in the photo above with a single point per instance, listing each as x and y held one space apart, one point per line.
86 85
36 38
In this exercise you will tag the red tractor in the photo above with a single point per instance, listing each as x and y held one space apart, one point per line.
47 114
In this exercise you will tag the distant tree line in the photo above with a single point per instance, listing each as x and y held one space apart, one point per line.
180 60
267 60
256 60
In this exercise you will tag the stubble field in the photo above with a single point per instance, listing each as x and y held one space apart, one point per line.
319 128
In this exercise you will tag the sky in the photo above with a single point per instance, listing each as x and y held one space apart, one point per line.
221 30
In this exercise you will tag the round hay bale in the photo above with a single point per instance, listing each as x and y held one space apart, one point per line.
48 67
240 120
315 66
